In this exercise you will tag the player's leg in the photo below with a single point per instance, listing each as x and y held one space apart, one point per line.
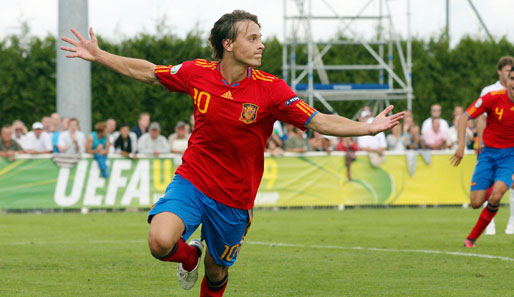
491 228
215 279
510 225
224 229
502 160
172 220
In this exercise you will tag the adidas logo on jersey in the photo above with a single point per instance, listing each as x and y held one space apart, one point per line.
228 95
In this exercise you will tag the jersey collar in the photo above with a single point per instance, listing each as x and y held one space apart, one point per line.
236 84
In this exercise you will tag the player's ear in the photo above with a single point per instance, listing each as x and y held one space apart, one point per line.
227 44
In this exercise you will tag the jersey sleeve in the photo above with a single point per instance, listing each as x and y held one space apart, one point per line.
174 77
480 106
287 107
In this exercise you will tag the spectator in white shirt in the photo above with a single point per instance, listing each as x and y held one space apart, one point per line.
178 140
435 112
73 140
153 142
19 133
375 145
38 141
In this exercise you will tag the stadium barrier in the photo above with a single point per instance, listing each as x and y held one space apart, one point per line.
311 179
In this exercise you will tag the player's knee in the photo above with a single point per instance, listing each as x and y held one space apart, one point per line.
159 246
216 273
476 204
495 198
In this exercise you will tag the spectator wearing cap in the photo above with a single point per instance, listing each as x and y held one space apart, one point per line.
178 140
153 142
375 145
98 144
72 141
38 141
8 146
125 143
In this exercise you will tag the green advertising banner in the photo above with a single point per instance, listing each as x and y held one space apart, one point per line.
291 180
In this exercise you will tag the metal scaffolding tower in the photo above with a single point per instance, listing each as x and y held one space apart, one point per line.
299 40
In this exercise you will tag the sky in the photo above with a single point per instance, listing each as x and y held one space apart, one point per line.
117 19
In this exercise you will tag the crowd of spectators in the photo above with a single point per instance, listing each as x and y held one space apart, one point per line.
62 135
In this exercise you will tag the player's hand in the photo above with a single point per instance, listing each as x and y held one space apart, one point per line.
457 157
382 122
84 49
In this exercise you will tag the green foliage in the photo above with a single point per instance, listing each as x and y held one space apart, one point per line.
449 76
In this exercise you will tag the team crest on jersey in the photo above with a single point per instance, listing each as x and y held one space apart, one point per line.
175 69
249 113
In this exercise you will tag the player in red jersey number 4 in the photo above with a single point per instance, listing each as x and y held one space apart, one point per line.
495 165
235 106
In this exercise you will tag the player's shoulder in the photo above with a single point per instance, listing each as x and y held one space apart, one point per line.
263 77
495 95
205 64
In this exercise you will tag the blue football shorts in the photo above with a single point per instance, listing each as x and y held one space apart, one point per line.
223 227
493 165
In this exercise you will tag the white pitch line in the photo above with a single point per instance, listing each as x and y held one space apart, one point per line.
281 244
382 250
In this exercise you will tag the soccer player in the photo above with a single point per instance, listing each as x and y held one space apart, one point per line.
235 106
503 67
495 164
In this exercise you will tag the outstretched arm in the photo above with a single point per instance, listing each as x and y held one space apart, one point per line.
341 126
88 50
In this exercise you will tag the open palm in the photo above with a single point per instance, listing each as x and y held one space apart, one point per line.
382 122
84 49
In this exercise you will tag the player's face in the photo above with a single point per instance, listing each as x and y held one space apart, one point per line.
248 47
503 74
510 86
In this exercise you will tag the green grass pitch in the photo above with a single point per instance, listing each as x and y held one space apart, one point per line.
356 252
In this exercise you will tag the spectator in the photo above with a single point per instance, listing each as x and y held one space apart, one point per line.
111 133
46 121
142 124
72 141
8 146
458 111
435 112
125 143
296 142
408 122
396 141
452 141
65 121
435 138
178 140
415 142
375 145
153 142
320 143
19 133
98 145
38 141
348 145
55 122
272 146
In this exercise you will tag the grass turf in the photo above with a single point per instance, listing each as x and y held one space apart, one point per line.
357 252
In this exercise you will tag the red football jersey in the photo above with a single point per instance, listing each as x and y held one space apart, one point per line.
499 132
225 154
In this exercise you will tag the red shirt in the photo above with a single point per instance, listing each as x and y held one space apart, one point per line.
499 132
225 154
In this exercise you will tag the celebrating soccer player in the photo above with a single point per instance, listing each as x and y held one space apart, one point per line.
495 165
218 180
